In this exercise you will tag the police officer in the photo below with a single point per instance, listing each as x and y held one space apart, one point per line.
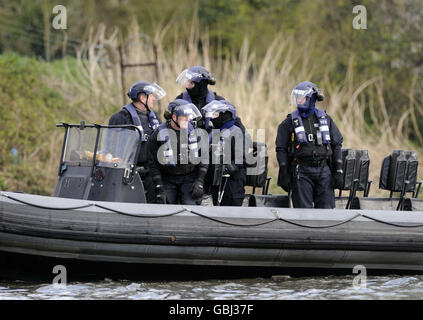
139 113
196 80
308 148
229 140
172 149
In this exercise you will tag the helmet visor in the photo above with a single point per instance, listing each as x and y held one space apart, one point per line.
155 90
187 76
189 110
212 109
299 97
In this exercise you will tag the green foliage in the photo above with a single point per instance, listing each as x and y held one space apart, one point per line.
27 178
29 110
389 49
20 86
231 21
3 185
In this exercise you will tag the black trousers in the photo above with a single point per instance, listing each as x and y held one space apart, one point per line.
178 189
227 199
149 188
313 185
233 195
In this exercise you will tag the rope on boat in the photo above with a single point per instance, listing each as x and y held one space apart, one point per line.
141 215
393 224
44 207
213 219
320 227
273 220
229 223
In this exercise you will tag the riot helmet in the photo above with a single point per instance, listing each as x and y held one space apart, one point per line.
195 74
218 112
148 89
305 95
182 108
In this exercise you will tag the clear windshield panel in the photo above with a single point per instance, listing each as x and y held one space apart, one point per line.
80 146
117 147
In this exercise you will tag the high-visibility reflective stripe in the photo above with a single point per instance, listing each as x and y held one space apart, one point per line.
299 129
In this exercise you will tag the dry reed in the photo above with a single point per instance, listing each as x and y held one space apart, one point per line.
260 91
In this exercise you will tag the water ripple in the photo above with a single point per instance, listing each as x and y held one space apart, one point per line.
331 287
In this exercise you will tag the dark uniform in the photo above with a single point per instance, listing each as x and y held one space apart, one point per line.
307 168
201 100
178 180
122 118
234 192
227 174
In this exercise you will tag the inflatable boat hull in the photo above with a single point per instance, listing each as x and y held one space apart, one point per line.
215 236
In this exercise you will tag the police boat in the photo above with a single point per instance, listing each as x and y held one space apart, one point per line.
98 214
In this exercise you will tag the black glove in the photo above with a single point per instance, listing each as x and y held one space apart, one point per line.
338 176
231 169
198 186
338 179
197 189
160 192
284 178
160 195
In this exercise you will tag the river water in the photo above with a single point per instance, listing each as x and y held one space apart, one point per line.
280 287
283 287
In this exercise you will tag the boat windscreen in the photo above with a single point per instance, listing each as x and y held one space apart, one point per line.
80 145
117 147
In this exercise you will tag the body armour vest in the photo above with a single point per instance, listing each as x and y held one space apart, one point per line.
152 118
313 143
297 123
226 132
169 157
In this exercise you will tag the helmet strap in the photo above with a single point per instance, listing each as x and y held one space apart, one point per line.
175 122
144 104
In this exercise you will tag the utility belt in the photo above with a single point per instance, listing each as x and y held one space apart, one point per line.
310 162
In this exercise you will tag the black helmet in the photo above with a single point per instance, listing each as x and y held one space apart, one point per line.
147 88
182 107
195 74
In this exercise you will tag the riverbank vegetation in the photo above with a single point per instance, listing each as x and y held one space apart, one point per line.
371 78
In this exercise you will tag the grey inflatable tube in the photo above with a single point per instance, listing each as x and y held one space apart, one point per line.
199 235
